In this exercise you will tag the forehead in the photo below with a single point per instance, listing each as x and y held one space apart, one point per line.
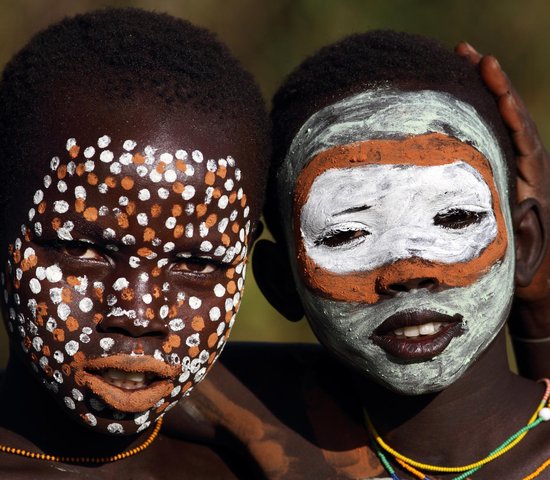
388 114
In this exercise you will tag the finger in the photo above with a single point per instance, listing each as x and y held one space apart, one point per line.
465 50
522 128
493 76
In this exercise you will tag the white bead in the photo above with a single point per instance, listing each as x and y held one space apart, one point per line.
545 414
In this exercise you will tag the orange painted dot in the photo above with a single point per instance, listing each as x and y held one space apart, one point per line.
131 208
177 210
127 294
231 287
66 295
230 273
225 239
156 210
92 179
180 165
29 262
178 231
144 252
161 167
232 197
193 351
211 358
243 200
172 312
46 350
156 291
209 178
59 335
138 159
61 171
79 205
127 183
177 187
72 323
174 340
41 207
73 281
212 339
65 369
110 182
235 227
155 272
211 220
197 323
90 214
201 210
228 316
74 151
79 357
217 193
97 318
149 234
150 313
222 171
80 169
98 292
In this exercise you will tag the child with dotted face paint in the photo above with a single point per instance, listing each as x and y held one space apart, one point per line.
132 200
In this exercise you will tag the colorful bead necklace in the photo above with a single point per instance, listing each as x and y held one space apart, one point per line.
112 458
542 413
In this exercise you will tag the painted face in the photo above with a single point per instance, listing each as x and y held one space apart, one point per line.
404 262
124 282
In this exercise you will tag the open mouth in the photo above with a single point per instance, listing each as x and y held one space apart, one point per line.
413 335
127 383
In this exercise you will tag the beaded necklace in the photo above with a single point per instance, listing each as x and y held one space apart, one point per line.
542 414
62 459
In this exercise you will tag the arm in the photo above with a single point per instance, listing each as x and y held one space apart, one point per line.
530 318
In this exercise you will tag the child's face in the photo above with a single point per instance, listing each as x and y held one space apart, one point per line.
401 235
125 280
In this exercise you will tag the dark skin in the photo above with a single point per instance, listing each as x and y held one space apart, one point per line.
30 417
325 409
531 309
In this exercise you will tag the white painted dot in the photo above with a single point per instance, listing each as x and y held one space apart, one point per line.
128 239
129 145
62 186
142 219
228 304
214 314
147 298
223 202
54 163
168 246
115 428
246 211
63 311
181 155
71 347
197 156
170 222
125 158
144 194
86 304
142 170
166 158
90 418
189 230
237 174
89 152
134 262
103 188
163 193
219 290
229 184
35 286
69 402
141 418
106 156
220 250
189 170
222 225
188 192
89 166
211 165
195 302
103 211
120 284
155 176
205 246
164 311
54 273
80 192
193 340
115 168
176 324
60 206
203 229
106 343
103 141
170 176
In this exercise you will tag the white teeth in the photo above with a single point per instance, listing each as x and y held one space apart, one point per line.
127 380
417 330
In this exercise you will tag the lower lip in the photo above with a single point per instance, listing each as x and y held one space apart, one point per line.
418 348
126 400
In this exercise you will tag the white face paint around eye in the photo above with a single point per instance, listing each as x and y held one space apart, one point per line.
379 206
384 213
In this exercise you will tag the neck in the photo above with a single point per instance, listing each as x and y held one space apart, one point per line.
488 398
30 418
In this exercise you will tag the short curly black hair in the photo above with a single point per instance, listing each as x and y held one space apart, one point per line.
365 61
120 54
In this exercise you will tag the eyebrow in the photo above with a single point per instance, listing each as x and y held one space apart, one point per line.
353 210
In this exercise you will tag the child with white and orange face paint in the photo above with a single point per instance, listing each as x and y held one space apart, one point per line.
127 219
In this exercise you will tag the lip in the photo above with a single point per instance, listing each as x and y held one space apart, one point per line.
422 347
87 374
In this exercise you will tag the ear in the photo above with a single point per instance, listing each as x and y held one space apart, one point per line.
273 275
530 239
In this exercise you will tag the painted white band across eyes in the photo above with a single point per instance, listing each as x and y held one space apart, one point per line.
394 210
389 113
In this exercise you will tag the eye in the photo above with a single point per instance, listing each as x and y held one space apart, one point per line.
198 266
456 218
82 251
341 238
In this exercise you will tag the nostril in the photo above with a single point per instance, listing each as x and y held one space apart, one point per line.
398 287
426 283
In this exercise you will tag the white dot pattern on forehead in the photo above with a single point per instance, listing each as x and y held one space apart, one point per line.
172 197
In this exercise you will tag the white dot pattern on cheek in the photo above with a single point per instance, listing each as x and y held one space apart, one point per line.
61 309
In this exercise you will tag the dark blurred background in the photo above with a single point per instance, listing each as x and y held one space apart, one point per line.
271 37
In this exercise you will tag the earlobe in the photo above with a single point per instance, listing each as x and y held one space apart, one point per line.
274 277
530 239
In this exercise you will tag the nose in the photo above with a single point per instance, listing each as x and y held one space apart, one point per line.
406 285
136 310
